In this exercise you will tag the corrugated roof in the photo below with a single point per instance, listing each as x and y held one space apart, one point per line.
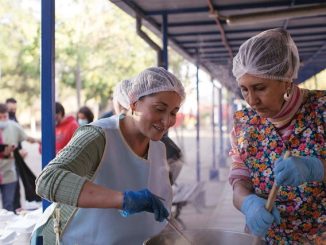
192 30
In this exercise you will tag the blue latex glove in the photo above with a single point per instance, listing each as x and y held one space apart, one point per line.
258 219
294 171
143 200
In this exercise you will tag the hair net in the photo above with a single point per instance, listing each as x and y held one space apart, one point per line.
120 93
271 54
154 80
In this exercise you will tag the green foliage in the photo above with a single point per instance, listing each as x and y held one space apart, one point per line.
19 53
102 41
96 44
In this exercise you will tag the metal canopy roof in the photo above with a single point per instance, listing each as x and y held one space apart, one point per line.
194 29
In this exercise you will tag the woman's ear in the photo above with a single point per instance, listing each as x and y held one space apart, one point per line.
133 107
288 88
289 85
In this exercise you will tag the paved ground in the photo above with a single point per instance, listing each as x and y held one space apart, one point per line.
215 212
33 160
213 208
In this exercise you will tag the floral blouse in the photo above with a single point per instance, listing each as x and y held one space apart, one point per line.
259 145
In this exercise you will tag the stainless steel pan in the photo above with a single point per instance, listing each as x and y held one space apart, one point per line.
203 237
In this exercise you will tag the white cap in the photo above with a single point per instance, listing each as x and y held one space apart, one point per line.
272 54
120 93
154 80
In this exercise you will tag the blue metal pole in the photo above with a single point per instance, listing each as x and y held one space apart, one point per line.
213 173
221 158
165 41
47 83
197 125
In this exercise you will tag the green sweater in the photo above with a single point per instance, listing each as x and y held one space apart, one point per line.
63 178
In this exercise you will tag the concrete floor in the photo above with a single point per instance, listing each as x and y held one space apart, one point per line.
213 210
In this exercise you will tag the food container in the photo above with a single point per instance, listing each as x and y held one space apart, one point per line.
203 237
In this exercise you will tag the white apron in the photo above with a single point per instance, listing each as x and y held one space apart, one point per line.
121 169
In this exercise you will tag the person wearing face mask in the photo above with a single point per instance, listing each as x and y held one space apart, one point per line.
65 127
282 117
84 116
111 182
11 135
12 108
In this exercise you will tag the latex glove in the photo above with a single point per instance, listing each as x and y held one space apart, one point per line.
258 219
143 200
294 171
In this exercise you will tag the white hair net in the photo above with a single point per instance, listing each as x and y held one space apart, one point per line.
154 80
120 93
272 54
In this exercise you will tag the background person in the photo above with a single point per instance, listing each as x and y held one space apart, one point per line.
84 116
113 164
282 117
11 135
65 127
12 108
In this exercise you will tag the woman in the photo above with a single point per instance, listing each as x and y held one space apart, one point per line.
84 116
113 164
173 152
282 118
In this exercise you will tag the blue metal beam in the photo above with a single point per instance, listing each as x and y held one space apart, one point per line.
213 173
247 6
207 51
195 34
220 110
165 41
192 23
202 42
197 124
256 30
301 27
47 83
216 40
315 55
199 45
213 59
308 72
138 10
214 55
178 11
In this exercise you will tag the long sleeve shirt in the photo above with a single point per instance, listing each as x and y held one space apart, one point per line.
73 166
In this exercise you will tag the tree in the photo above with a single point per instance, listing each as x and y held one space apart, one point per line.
97 47
19 53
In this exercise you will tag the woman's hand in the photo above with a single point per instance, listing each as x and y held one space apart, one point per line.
144 200
294 171
9 150
258 219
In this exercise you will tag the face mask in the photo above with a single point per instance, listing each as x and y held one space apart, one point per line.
3 124
12 114
82 122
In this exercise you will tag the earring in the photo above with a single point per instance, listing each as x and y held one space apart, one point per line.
286 96
132 112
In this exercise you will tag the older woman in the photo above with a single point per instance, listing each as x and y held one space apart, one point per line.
113 168
282 117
